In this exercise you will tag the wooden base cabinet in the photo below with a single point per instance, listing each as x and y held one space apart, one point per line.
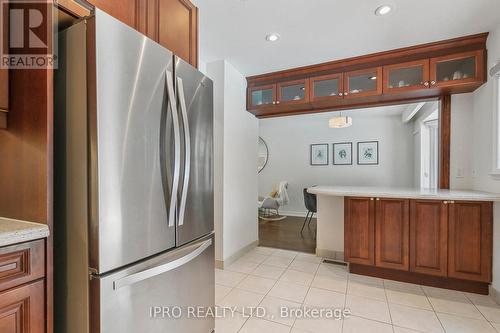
441 239
22 310
359 232
429 237
392 220
22 288
470 240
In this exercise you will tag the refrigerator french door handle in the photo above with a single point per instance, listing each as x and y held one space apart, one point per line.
187 151
177 148
155 271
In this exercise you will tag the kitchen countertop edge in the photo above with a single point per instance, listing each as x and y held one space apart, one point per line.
406 193
16 231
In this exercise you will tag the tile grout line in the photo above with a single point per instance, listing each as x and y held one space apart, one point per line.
475 306
433 309
388 306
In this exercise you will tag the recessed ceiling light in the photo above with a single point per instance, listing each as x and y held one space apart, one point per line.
272 37
383 10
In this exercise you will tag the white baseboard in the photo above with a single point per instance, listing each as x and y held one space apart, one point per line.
220 264
495 294
329 254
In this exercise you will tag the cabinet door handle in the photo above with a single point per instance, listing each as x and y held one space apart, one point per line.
340 94
274 102
445 202
378 199
277 102
371 199
433 82
426 83
452 202
345 94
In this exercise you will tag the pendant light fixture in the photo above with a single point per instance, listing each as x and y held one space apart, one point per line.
340 121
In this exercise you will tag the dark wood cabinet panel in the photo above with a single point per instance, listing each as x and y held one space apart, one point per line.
262 96
326 87
392 233
172 23
428 237
363 83
21 263
408 76
415 73
470 240
4 77
460 69
178 28
293 92
22 310
359 231
124 10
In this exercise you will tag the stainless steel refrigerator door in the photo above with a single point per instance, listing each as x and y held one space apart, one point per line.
196 197
130 129
175 280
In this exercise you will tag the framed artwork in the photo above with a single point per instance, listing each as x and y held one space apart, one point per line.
368 153
342 153
319 154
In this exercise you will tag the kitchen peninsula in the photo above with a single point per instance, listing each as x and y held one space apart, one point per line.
441 238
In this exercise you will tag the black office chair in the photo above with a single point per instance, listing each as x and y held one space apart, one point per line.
310 202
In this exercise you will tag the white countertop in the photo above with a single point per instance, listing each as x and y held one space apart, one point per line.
408 193
17 231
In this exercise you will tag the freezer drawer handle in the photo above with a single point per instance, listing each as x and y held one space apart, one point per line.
187 153
177 148
155 271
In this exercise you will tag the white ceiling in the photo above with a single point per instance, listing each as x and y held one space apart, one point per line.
315 31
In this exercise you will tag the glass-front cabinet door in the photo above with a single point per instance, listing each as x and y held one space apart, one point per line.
457 69
365 82
326 87
293 92
407 76
262 96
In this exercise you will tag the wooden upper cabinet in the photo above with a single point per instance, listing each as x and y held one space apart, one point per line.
359 230
124 10
470 240
172 23
293 92
407 76
326 87
457 69
262 96
428 237
178 28
363 83
392 224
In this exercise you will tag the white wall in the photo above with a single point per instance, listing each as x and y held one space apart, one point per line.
289 139
236 141
482 141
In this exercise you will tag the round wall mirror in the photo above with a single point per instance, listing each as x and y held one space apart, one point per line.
263 155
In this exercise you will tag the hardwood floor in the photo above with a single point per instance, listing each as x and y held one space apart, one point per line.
285 234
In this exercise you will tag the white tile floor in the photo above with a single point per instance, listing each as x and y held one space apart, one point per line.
271 279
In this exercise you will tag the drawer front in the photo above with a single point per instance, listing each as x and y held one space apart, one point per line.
21 263
22 310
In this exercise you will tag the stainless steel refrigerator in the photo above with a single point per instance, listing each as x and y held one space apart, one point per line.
133 184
